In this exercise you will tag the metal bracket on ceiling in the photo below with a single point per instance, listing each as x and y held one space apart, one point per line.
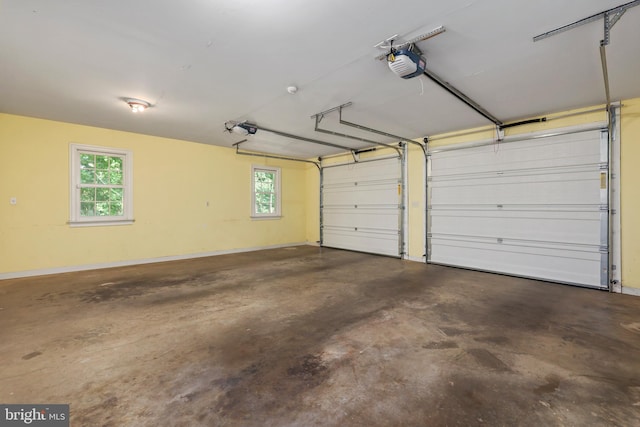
422 37
356 156
610 17
609 22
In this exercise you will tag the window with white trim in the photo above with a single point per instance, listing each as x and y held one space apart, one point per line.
265 192
101 186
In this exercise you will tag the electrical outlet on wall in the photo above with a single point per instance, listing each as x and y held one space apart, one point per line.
13 201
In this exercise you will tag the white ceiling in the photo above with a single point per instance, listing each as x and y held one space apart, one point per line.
203 62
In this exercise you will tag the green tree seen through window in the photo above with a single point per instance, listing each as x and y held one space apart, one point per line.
265 192
101 185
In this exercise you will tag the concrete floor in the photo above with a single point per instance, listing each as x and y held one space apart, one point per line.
307 336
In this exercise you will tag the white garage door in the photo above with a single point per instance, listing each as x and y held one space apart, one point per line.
361 207
534 208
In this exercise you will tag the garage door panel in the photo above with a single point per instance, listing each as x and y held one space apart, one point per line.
492 163
535 208
545 188
381 219
383 169
580 267
524 155
499 176
371 195
363 240
580 228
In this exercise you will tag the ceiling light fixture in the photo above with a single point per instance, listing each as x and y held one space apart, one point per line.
137 105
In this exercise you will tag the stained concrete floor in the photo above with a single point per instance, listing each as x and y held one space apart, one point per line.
312 337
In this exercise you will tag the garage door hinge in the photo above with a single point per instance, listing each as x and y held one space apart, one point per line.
604 249
613 212
604 208
604 166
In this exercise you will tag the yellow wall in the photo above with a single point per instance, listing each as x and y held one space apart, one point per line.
630 192
416 203
173 180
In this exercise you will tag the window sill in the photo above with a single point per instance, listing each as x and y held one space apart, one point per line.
259 218
100 223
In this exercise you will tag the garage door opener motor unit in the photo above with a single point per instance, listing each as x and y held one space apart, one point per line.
406 62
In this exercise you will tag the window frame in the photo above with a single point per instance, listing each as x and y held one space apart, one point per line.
77 220
278 192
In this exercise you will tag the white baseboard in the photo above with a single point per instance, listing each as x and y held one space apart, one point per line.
626 290
70 269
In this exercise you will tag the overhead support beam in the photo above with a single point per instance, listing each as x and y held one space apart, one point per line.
372 130
270 156
462 97
320 116
379 132
302 138
366 128
610 17
605 73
